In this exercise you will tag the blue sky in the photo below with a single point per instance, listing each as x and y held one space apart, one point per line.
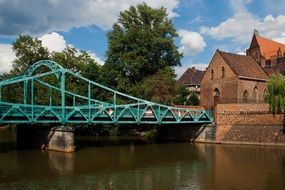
203 26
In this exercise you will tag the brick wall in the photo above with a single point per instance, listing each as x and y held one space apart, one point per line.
229 115
249 85
226 85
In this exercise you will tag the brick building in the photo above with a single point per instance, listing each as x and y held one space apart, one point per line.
270 55
232 78
191 78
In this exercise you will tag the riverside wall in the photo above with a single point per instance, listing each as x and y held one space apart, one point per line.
234 124
248 124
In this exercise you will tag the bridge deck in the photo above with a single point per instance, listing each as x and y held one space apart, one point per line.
10 113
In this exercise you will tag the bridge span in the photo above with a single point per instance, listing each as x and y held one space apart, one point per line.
49 95
50 81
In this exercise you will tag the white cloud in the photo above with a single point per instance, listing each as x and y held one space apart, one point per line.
53 41
96 58
281 38
240 26
56 42
241 53
6 57
191 43
40 17
180 70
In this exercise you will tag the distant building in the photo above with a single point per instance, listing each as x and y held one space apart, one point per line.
192 79
269 54
232 78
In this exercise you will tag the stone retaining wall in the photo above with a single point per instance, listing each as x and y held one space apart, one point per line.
248 123
266 135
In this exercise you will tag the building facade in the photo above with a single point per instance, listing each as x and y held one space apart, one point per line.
191 78
232 78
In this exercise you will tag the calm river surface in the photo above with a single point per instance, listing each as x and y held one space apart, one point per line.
122 163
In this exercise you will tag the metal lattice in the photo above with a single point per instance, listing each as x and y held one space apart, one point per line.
133 110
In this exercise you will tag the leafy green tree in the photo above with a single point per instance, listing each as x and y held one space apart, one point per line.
28 51
160 87
276 95
193 100
182 95
140 44
80 62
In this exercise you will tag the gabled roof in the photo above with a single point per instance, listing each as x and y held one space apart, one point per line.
192 76
269 47
243 66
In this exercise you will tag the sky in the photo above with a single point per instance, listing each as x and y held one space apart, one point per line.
202 26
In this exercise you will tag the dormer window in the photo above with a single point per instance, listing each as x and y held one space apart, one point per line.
223 72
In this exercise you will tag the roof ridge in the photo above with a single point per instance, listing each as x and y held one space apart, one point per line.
262 37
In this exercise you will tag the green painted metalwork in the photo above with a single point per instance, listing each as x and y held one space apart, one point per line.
133 110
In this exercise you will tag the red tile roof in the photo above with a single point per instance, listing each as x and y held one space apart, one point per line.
192 76
269 47
243 66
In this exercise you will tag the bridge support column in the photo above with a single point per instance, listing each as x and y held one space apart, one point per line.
61 139
45 137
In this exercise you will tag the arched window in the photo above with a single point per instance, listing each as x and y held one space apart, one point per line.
264 94
245 97
223 72
254 95
212 74
216 92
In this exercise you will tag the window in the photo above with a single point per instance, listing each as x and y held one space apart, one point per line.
245 97
254 95
264 94
223 72
212 74
216 92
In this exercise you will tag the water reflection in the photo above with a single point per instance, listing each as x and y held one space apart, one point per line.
62 163
138 165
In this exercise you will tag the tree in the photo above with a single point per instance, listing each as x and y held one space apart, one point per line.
276 95
28 51
80 62
140 44
182 95
161 87
193 100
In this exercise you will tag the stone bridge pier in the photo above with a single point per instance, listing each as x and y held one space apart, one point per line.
58 138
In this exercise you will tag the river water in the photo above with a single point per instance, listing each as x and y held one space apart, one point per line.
128 163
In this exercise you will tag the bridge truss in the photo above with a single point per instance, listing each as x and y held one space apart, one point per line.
43 95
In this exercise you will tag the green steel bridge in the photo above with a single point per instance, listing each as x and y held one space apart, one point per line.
44 94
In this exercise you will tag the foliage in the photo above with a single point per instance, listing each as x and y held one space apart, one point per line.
140 44
151 134
182 95
276 93
28 51
193 99
160 88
